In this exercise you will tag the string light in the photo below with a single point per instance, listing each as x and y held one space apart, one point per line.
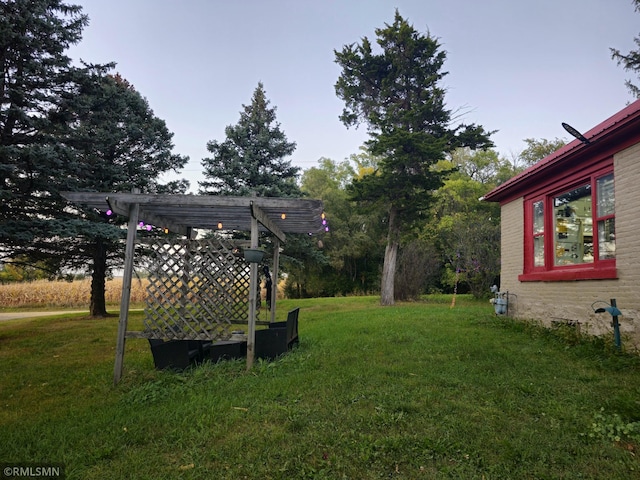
219 225
109 212
324 222
147 227
283 216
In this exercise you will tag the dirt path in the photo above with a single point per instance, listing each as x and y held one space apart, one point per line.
18 315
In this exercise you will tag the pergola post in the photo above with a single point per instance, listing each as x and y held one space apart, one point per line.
132 227
274 274
253 287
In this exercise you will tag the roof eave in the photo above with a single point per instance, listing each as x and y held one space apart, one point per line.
618 123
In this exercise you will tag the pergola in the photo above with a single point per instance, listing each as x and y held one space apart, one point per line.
183 214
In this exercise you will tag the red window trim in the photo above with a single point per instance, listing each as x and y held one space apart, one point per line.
598 269
568 274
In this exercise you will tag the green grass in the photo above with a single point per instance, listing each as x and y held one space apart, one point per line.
414 391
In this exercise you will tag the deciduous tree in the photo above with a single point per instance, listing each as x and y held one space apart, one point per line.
537 149
353 246
467 229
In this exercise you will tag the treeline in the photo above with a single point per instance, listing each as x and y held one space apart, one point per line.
454 247
404 212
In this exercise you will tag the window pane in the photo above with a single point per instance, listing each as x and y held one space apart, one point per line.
605 196
573 227
607 239
538 251
538 217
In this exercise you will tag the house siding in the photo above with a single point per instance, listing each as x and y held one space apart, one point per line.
570 301
511 245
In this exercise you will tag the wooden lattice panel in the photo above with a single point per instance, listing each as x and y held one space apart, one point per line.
198 289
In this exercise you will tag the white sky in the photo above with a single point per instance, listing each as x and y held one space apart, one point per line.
520 67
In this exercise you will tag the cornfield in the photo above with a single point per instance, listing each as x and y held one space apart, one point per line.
42 293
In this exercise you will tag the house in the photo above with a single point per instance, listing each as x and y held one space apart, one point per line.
570 231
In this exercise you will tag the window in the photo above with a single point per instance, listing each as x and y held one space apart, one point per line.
605 218
573 227
559 231
538 233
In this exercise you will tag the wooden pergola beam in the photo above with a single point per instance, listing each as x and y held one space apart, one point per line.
212 212
123 210
261 216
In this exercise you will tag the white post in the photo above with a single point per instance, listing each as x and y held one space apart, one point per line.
132 227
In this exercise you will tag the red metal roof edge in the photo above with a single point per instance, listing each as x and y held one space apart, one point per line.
628 114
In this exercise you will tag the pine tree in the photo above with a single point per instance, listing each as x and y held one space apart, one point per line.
397 93
117 143
253 158
36 73
630 61
68 128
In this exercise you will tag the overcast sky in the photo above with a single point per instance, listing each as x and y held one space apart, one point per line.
519 67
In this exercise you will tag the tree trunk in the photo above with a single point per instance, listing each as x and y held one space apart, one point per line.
97 306
390 257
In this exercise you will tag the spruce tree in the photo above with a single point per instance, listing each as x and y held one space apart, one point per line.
117 143
253 158
36 74
68 128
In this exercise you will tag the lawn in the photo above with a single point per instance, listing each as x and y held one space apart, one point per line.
418 390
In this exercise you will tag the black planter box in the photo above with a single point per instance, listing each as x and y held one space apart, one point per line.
177 354
227 350
279 338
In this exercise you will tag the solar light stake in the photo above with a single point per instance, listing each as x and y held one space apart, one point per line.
612 309
616 325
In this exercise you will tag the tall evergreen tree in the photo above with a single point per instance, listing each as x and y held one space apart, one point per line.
631 60
36 73
253 158
117 143
397 94
67 128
